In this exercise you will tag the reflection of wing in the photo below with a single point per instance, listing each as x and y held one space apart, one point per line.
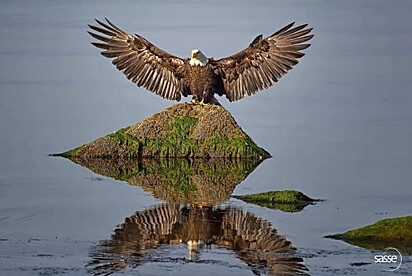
252 239
146 229
140 232
264 62
257 244
142 62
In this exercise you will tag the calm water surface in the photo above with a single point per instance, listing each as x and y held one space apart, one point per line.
339 127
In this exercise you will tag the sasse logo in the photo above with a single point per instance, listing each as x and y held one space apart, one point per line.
386 258
390 259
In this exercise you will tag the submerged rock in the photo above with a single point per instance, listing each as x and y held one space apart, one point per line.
286 201
182 130
384 233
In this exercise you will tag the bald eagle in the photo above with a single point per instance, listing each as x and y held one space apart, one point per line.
253 69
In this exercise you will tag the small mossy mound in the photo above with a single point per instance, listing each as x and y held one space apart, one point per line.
286 201
384 233
183 130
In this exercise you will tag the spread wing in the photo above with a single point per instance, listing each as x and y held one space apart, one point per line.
142 62
264 62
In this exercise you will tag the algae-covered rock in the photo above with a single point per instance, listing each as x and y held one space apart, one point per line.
182 130
179 181
384 233
286 201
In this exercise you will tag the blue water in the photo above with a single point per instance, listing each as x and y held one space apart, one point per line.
339 126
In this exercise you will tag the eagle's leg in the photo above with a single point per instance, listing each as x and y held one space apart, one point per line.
202 102
214 101
195 100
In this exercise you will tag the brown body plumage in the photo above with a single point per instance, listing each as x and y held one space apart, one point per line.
203 83
253 69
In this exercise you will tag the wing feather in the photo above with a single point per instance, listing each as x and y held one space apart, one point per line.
264 62
101 30
140 61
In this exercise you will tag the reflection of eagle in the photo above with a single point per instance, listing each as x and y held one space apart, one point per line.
252 239
257 67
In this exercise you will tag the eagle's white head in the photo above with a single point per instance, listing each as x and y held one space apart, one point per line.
198 58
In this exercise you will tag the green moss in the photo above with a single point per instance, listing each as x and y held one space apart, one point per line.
177 142
286 196
287 200
67 154
237 146
384 233
123 139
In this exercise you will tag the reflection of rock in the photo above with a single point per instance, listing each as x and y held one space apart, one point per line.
252 239
195 181
182 130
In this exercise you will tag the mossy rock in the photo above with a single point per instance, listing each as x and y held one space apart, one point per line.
286 201
183 130
177 181
392 232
